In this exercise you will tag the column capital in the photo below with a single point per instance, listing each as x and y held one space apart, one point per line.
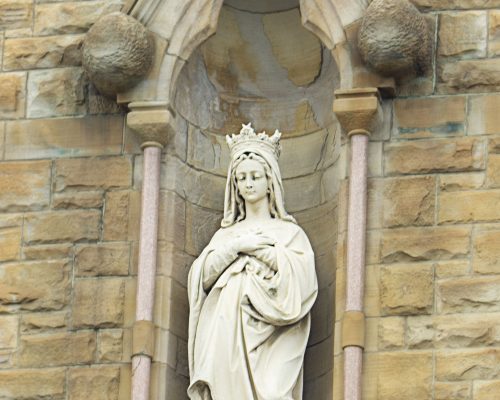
152 121
358 110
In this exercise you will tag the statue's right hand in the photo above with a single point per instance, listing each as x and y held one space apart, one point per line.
252 241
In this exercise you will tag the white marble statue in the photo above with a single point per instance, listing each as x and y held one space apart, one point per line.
252 288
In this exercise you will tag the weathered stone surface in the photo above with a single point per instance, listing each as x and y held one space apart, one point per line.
93 173
469 206
461 365
56 92
16 14
10 243
465 181
117 53
391 333
409 201
110 345
98 303
493 175
96 382
121 215
403 47
451 268
455 390
48 251
494 33
446 155
72 200
469 76
47 52
421 117
420 332
71 17
173 262
494 145
102 259
41 322
62 226
100 104
33 384
8 331
406 289
171 301
398 375
483 115
24 186
47 138
65 348
12 94
487 252
463 34
486 390
201 224
455 4
468 294
42 285
419 244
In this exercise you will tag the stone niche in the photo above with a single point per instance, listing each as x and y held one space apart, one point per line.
262 66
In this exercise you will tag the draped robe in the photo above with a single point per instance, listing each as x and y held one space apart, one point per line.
248 332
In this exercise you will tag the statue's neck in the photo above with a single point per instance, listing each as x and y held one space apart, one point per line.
257 211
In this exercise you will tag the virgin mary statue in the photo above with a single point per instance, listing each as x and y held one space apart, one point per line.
252 288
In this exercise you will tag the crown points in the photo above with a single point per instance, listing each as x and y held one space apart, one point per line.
248 138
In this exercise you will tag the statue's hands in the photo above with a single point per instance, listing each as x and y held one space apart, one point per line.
252 241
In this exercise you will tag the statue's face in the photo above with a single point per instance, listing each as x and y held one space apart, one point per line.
252 181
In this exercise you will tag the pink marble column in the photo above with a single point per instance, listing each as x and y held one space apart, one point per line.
356 245
141 364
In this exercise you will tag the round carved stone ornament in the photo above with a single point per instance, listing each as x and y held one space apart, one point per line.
394 38
117 53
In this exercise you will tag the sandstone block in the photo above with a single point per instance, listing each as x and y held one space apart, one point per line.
56 92
172 219
423 117
93 173
494 145
463 34
454 4
102 259
483 115
445 155
451 268
398 375
12 93
409 201
98 303
464 181
391 333
464 365
10 243
494 33
33 383
419 244
121 215
469 76
111 345
487 252
8 331
96 382
47 52
62 226
318 359
468 294
173 262
47 138
99 104
486 390
406 289
70 17
72 200
420 332
42 322
24 186
66 348
455 390
171 301
469 206
201 224
34 286
493 174
16 14
47 251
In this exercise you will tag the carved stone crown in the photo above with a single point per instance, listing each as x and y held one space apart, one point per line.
248 139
